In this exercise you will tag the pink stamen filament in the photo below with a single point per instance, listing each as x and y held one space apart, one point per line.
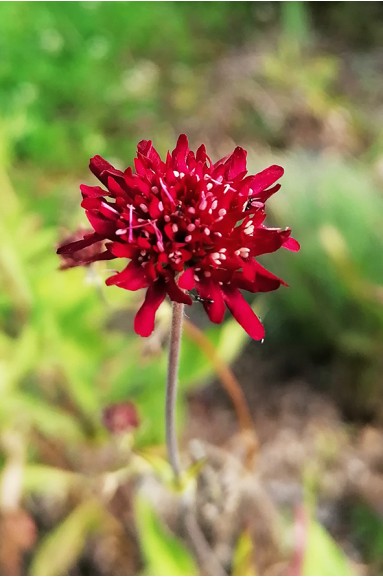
160 243
130 223
167 192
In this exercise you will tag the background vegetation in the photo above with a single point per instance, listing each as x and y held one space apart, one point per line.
295 83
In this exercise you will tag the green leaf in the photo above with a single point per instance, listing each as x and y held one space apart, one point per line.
164 554
46 479
323 557
243 559
62 547
49 419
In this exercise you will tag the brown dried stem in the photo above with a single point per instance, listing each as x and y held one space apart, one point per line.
226 376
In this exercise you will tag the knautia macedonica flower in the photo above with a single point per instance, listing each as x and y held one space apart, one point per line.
184 224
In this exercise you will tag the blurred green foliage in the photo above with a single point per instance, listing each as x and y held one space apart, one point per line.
336 284
89 76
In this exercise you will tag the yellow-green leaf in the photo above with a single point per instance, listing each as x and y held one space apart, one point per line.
62 547
163 553
243 559
323 557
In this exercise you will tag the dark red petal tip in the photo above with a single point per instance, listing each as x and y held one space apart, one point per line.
243 313
291 244
144 320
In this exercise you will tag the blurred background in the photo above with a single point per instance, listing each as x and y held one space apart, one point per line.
84 482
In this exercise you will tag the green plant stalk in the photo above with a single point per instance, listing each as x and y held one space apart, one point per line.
171 388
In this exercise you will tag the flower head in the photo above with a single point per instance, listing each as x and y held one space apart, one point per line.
184 224
121 417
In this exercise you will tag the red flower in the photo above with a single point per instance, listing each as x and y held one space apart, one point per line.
121 417
185 224
85 255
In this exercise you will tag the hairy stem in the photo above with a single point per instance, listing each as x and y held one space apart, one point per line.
171 388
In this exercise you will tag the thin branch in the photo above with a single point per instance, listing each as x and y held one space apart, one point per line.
171 388
227 377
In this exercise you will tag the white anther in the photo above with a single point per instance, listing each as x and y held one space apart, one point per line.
207 274
191 210
203 204
143 252
121 231
209 186
218 234
243 252
161 206
176 174
227 188
144 208
196 277
190 227
215 256
188 238
174 228
154 190
222 212
166 218
249 230
206 231
214 204
182 175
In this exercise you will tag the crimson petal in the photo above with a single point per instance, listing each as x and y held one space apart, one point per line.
236 164
145 317
176 294
122 250
266 178
186 280
243 313
93 192
213 303
102 169
132 277
70 248
180 152
146 149
101 225
291 244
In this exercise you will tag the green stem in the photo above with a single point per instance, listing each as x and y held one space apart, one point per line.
171 388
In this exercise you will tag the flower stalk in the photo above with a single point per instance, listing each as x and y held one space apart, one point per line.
171 388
